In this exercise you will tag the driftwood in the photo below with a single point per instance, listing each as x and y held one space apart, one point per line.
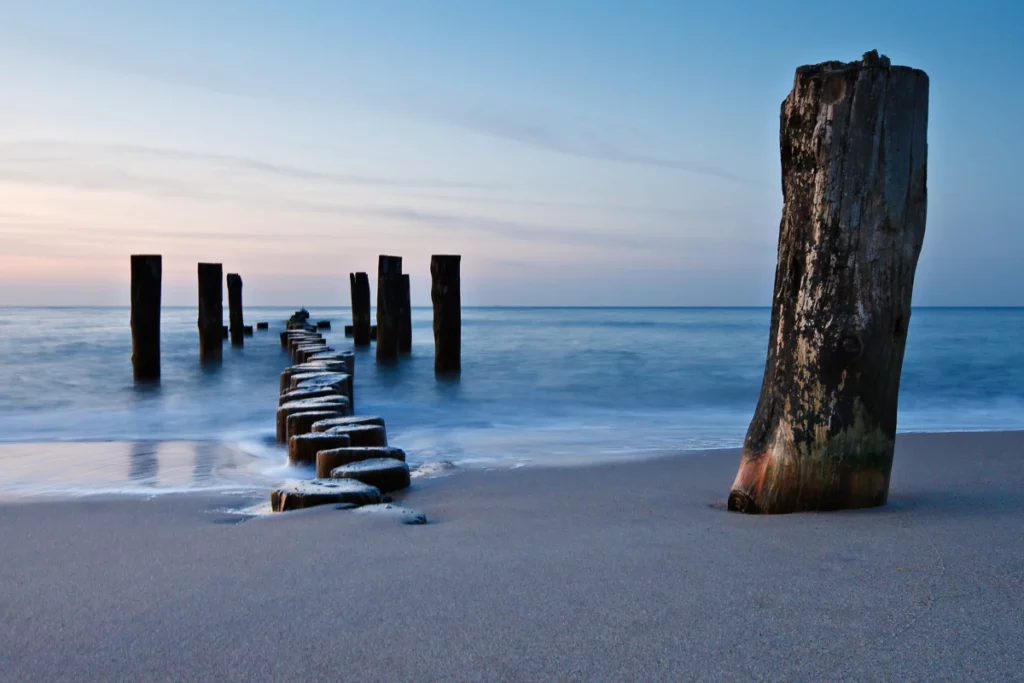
854 183
146 276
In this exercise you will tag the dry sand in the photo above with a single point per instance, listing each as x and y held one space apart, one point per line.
613 572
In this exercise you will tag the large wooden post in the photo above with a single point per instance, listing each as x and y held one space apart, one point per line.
405 316
446 295
854 171
236 321
360 286
389 303
147 272
211 311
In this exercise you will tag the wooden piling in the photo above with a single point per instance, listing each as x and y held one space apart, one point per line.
446 295
236 326
405 317
211 311
854 168
389 303
360 286
147 272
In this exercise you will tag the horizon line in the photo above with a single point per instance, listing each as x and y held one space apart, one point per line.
517 306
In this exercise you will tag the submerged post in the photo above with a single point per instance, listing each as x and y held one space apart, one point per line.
147 271
389 302
854 169
405 316
446 295
237 324
211 311
360 286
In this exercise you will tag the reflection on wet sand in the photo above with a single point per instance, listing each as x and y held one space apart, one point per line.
143 463
82 468
205 459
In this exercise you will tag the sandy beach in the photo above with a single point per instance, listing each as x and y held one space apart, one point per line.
608 572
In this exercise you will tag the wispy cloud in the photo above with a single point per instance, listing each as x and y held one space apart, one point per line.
172 173
33 160
573 140
539 130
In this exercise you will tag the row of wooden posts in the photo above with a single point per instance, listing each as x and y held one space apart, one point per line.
394 312
147 271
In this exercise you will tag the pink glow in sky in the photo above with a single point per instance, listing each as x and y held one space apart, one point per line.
573 154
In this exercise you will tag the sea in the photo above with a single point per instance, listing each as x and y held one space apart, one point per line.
539 387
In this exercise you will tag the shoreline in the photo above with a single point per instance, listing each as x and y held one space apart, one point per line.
177 460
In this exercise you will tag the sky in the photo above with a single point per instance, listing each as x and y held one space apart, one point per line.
574 152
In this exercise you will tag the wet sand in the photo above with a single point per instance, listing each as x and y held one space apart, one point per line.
609 572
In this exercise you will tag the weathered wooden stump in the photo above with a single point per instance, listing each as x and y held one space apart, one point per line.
323 325
313 366
303 394
247 330
446 296
373 333
308 494
301 423
310 367
147 273
211 311
302 448
347 357
302 335
363 435
405 317
350 331
351 421
306 339
360 288
339 381
385 474
318 377
389 304
262 326
328 460
312 347
303 354
224 332
854 167
236 325
315 346
337 404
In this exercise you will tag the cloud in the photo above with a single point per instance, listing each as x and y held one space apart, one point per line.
571 140
264 202
34 159
540 131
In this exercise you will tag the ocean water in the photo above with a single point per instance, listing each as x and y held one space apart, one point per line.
539 386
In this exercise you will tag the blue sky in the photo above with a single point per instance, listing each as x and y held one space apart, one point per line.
575 153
